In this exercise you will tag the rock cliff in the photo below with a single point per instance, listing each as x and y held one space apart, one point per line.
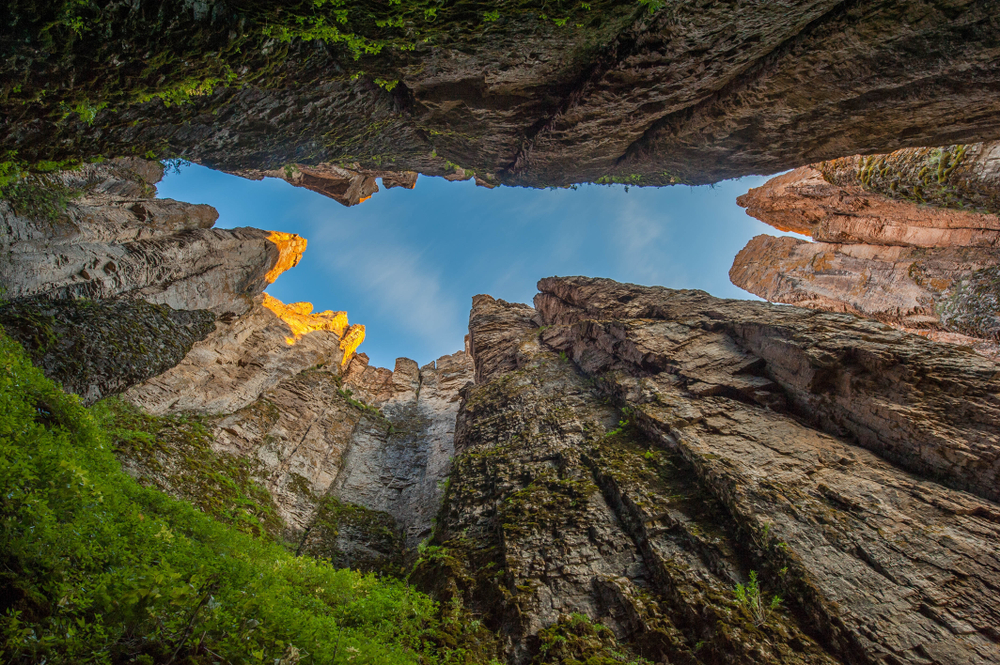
109 237
630 454
347 186
617 472
908 239
101 348
353 458
645 93
343 460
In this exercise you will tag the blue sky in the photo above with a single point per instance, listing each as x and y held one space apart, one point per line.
406 263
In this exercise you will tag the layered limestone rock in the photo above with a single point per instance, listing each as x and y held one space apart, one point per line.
352 456
884 253
111 238
248 355
633 453
404 475
804 201
642 93
947 293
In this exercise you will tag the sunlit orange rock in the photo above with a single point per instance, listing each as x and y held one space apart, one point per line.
300 318
351 341
290 249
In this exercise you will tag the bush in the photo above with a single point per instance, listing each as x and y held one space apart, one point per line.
750 599
96 569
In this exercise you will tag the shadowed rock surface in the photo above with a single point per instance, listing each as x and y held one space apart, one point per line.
640 93
101 348
644 449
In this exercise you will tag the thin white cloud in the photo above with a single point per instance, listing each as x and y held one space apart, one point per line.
397 279
641 235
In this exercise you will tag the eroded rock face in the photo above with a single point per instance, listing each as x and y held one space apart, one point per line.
403 475
884 253
115 240
346 186
101 348
953 176
248 355
645 449
904 286
353 457
616 93
804 201
355 482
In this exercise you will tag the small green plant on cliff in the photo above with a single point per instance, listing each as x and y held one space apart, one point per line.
751 600
576 640
653 6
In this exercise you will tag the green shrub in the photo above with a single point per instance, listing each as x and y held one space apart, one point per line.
97 569
576 640
36 196
750 599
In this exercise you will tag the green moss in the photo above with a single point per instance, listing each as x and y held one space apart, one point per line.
442 571
174 454
933 176
97 569
575 640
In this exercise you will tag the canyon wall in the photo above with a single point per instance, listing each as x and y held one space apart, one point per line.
594 477
115 292
631 453
909 239
100 232
642 93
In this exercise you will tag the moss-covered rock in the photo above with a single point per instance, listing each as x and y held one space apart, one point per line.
950 176
175 455
97 348
972 306
352 536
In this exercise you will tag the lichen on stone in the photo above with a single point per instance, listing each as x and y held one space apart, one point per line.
98 348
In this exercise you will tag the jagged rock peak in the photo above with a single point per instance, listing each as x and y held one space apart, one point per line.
301 320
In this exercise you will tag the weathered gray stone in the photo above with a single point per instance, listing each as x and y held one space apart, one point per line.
117 241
